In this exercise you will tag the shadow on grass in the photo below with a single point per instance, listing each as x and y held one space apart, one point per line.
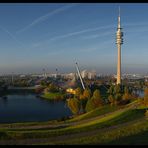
137 139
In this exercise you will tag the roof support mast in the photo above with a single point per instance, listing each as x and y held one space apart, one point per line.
80 76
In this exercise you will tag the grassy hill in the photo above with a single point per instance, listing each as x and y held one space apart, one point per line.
106 125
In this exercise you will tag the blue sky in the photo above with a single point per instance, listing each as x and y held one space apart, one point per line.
55 35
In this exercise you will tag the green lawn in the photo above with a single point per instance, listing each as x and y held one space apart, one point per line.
131 131
103 110
130 134
117 117
52 96
97 112
107 121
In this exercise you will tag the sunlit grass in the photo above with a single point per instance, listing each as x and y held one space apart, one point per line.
51 96
108 121
133 130
117 117
94 113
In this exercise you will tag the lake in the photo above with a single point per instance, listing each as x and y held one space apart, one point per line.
29 108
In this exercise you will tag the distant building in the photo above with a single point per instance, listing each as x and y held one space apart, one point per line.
92 75
70 76
22 76
88 74
84 74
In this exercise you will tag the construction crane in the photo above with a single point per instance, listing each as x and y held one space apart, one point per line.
79 74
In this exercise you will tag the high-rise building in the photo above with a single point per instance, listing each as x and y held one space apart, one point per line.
119 41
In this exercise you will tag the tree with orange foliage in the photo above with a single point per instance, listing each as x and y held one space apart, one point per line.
146 97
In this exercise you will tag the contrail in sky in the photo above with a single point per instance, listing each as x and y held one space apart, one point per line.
46 16
86 31
74 34
11 35
91 30
81 32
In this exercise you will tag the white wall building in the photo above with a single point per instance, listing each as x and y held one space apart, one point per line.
88 74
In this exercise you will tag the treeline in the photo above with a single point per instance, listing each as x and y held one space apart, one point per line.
120 95
86 100
48 87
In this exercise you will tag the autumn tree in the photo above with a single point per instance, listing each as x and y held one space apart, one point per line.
115 94
111 99
84 98
89 105
87 94
78 92
95 101
146 97
74 105
127 95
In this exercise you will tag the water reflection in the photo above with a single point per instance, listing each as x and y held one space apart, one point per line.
139 93
4 100
28 107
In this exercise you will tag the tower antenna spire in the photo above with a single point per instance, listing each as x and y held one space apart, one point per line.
119 11
119 24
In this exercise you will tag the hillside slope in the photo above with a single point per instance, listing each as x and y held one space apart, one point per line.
115 125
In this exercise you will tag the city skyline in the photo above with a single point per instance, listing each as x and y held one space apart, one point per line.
50 36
